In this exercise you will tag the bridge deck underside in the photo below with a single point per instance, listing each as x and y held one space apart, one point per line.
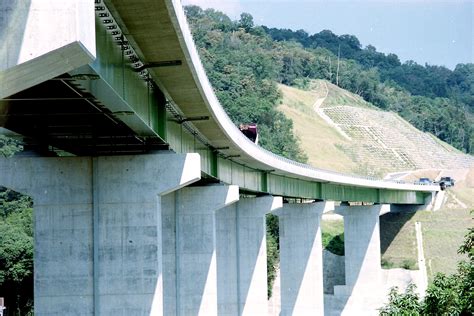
57 113
106 107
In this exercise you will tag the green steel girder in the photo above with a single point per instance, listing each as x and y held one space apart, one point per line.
115 69
150 105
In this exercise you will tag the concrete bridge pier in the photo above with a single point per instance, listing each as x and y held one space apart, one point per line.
362 255
189 248
98 247
242 257
301 265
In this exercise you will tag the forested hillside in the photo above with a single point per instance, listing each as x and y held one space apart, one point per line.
244 63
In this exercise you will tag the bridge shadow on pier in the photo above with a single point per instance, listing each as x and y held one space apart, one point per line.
393 224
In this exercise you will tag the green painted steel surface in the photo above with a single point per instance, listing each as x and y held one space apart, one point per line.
149 104
113 67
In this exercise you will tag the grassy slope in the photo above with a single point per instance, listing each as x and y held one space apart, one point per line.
319 141
464 189
330 229
327 149
398 241
338 96
443 231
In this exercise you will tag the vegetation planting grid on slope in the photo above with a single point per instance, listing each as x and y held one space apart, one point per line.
381 142
251 155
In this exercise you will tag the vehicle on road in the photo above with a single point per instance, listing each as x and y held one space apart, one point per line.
447 181
251 131
425 181
442 186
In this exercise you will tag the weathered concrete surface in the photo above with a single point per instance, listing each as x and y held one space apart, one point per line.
362 244
189 230
242 257
98 229
370 302
333 271
168 219
42 39
333 274
301 263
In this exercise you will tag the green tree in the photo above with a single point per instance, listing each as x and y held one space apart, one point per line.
402 304
246 21
9 146
242 66
16 259
273 255
16 243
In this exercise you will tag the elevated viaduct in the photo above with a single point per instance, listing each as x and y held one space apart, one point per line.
148 200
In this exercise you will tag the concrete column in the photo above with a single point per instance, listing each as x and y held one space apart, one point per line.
189 223
242 256
301 264
98 229
362 246
130 228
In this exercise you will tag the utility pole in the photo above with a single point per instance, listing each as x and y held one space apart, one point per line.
338 58
330 69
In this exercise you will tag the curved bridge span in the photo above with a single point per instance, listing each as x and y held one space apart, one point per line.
188 88
139 175
141 68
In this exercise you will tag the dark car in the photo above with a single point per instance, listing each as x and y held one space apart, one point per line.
447 181
442 186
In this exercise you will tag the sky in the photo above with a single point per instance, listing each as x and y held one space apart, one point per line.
437 32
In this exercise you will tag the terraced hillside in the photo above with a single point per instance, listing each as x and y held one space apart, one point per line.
342 132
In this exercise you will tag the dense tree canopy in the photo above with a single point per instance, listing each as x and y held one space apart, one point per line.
16 243
241 70
8 146
16 251
243 61
445 97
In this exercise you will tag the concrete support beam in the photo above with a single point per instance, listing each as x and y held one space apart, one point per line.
98 229
301 263
362 246
242 256
189 228
43 39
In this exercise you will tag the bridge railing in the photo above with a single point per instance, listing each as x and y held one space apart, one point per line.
272 161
